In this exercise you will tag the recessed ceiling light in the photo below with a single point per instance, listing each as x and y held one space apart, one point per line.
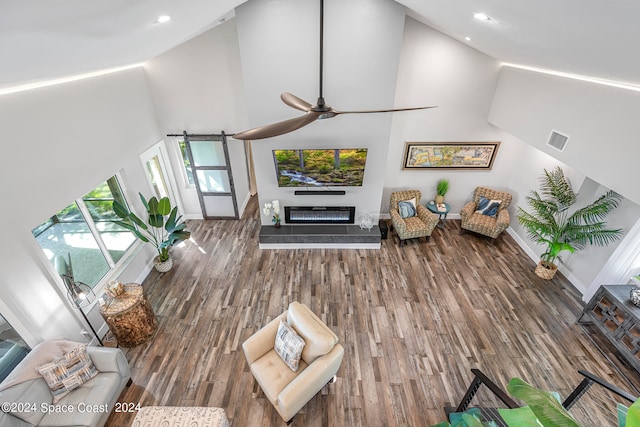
482 16
162 19
468 38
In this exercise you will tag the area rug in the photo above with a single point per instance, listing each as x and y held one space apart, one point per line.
180 416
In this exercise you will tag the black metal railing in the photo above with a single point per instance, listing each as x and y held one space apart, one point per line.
480 379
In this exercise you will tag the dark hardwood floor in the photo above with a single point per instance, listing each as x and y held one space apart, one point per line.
413 320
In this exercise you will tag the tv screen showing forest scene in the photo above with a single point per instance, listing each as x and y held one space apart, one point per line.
318 168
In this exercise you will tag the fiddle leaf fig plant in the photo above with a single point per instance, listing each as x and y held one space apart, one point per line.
163 227
553 222
543 409
546 407
633 415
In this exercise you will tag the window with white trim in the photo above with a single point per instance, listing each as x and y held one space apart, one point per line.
84 236
12 348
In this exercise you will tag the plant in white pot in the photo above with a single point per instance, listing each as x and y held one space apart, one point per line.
553 223
163 228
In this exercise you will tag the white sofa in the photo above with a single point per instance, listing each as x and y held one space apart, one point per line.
26 399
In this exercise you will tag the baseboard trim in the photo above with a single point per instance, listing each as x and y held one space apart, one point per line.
523 245
575 282
244 205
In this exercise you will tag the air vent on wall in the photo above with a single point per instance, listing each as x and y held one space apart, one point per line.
558 140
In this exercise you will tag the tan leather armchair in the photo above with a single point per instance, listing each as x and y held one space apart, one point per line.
420 225
287 390
490 226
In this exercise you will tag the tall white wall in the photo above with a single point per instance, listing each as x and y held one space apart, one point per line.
586 264
197 87
59 142
279 52
599 154
583 266
438 70
478 100
601 121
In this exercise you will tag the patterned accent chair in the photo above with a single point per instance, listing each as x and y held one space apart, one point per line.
420 225
486 225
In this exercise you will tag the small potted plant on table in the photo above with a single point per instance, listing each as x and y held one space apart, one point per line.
441 189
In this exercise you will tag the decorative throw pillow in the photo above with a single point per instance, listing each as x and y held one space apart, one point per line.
289 345
68 372
488 207
407 208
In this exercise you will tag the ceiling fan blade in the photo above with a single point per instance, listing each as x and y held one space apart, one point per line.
336 112
295 102
279 128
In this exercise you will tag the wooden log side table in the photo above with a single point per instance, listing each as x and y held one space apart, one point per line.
130 316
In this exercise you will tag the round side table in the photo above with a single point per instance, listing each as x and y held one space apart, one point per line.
130 316
442 214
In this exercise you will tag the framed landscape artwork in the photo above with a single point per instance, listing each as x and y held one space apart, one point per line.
450 155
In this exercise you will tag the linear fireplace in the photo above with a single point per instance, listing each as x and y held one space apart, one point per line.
319 214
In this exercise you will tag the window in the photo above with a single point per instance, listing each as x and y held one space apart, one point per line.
83 235
156 177
12 348
187 162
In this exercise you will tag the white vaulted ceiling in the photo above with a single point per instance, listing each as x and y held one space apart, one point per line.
41 39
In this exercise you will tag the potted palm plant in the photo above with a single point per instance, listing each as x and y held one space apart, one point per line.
163 227
551 221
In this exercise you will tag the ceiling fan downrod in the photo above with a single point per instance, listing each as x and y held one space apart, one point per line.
312 112
320 103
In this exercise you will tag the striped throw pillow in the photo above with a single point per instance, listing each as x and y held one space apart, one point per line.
68 372
289 345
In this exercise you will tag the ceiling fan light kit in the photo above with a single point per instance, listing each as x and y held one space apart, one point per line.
319 111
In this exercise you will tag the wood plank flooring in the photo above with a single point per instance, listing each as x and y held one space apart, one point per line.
413 321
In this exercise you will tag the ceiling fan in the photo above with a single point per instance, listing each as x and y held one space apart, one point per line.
312 112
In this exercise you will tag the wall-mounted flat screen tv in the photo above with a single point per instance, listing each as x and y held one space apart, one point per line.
318 167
